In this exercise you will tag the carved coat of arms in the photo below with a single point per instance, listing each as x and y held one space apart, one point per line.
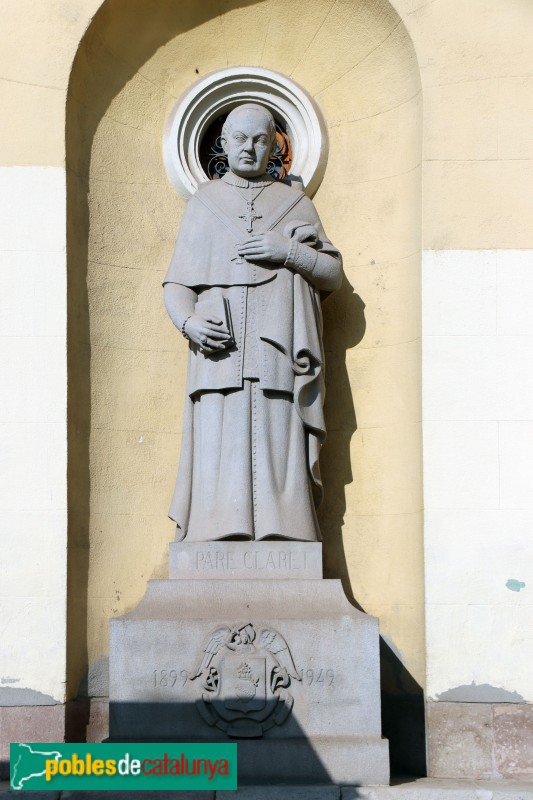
245 677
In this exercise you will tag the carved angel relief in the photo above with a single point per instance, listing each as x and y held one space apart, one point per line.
244 677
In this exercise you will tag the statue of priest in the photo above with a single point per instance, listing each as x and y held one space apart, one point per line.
244 286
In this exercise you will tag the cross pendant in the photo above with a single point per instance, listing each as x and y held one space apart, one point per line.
250 216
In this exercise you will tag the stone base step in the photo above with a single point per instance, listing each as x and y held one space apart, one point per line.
441 789
421 789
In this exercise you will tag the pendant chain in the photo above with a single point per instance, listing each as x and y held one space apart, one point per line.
250 216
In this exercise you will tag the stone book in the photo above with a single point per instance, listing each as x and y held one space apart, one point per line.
217 307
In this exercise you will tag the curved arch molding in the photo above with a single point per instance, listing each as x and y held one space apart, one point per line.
217 94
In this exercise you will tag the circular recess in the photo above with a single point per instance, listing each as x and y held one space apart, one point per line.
190 125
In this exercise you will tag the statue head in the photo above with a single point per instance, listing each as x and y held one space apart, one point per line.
249 139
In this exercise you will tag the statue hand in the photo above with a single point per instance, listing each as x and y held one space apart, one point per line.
269 246
209 334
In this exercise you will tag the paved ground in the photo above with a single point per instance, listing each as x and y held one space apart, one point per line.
421 789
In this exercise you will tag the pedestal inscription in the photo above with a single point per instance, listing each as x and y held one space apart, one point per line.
242 560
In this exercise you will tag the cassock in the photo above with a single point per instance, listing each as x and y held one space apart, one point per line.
253 421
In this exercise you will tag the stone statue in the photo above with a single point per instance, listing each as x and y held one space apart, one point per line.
244 286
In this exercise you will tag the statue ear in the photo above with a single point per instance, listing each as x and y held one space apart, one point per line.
224 144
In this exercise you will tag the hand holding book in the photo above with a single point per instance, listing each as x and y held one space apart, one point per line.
210 326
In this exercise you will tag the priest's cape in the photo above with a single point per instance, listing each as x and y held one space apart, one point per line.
250 448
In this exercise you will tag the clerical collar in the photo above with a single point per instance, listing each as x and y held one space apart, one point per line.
244 183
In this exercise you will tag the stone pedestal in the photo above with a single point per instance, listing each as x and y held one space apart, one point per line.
246 642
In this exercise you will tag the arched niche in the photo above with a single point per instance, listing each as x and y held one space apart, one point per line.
127 363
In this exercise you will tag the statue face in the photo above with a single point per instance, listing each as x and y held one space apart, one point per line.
249 144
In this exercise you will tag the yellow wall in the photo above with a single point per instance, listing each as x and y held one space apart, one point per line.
357 61
474 61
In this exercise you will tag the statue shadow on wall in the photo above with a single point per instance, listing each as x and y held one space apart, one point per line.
402 698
